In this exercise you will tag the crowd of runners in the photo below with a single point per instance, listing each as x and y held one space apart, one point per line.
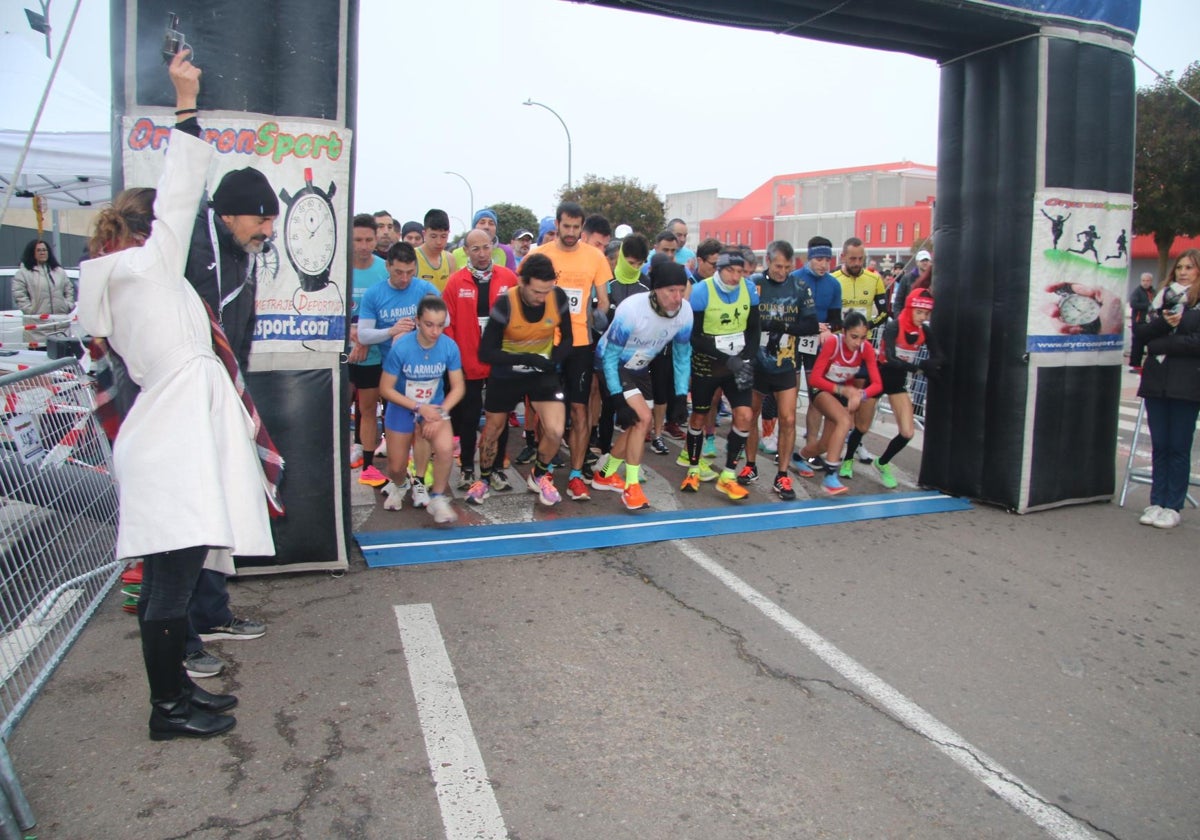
607 343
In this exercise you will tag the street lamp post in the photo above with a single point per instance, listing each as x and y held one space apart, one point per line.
567 130
470 191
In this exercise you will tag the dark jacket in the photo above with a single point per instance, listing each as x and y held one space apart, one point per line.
237 286
1177 375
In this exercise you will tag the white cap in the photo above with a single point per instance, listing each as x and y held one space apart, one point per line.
622 231
924 255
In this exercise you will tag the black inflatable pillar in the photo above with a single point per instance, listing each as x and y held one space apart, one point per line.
277 94
1034 135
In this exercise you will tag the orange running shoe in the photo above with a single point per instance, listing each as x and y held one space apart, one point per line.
634 498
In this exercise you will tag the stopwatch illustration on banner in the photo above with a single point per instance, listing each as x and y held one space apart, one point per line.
310 232
1077 310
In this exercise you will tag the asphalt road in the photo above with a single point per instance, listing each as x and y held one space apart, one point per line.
972 674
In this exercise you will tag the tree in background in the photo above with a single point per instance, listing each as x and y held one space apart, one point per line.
621 201
510 218
1166 175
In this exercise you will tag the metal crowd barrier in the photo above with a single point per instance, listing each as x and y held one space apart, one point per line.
58 522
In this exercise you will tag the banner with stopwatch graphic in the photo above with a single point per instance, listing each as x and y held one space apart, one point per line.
1079 265
301 301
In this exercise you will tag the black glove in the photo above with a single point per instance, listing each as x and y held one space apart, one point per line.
537 362
677 410
773 325
743 372
930 368
772 348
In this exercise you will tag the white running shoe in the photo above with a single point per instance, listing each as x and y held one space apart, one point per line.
864 455
1150 514
420 494
393 495
381 449
1167 518
439 508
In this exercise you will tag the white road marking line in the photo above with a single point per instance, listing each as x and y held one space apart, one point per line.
1004 784
468 804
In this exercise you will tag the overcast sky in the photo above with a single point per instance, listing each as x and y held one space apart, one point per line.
675 104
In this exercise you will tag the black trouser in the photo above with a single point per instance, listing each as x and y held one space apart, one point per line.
168 579
464 419
1136 349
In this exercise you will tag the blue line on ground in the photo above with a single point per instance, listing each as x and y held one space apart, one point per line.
578 533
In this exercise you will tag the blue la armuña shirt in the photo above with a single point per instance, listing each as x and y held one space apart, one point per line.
383 305
420 372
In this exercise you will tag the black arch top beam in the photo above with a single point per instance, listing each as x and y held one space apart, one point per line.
935 29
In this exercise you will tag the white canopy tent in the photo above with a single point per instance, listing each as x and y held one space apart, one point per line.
69 157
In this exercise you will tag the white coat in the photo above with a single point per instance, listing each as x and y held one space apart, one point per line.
186 465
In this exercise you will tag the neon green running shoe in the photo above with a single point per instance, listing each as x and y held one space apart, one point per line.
847 469
885 475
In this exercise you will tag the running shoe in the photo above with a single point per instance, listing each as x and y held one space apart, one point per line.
587 473
577 489
544 487
1167 518
885 475
236 629
710 447
612 482
748 475
557 461
513 421
527 454
659 445
832 486
1150 514
728 485
372 477
499 481
682 459
356 456
420 494
674 430
706 472
477 492
864 455
847 469
691 483
783 487
393 495
465 479
769 445
381 449
634 498
439 508
801 468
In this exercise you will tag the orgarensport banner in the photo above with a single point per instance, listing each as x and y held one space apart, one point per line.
1079 267
301 297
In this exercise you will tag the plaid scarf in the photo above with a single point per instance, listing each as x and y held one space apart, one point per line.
116 392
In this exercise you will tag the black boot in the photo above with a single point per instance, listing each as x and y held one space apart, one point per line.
205 700
171 718
163 643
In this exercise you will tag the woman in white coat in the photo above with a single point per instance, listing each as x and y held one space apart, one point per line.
210 504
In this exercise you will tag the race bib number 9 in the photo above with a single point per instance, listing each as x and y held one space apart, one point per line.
421 392
574 300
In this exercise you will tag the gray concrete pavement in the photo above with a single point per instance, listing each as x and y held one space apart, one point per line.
631 693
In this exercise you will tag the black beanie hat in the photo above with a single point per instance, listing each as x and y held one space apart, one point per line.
245 192
666 272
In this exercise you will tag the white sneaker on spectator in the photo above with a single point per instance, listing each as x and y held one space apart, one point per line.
1150 514
1167 518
